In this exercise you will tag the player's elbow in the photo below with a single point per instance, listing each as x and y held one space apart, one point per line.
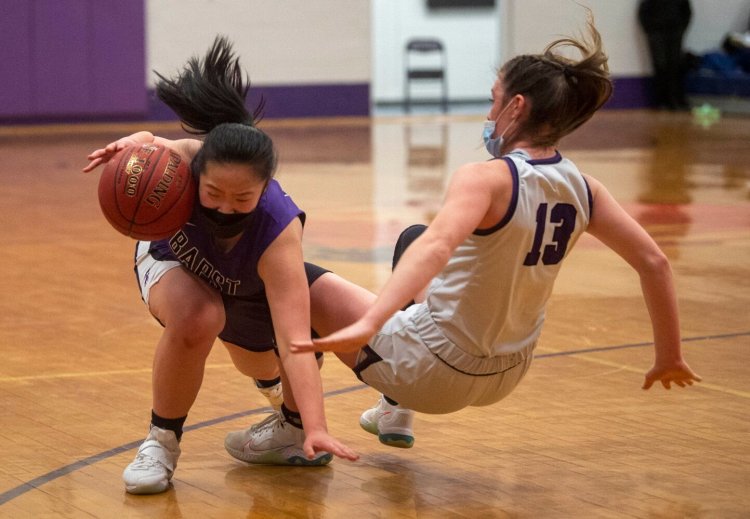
441 252
654 264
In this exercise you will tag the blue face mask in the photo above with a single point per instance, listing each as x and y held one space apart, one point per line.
493 145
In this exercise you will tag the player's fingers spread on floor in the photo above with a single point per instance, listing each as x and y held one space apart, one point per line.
349 454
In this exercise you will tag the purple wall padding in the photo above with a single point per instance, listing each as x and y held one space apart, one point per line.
16 64
72 59
314 100
118 59
630 92
323 100
60 82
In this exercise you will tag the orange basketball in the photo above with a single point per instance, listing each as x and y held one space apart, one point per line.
147 192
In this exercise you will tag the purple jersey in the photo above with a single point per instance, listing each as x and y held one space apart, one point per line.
235 273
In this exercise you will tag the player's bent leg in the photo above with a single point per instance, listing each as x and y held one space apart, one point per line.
391 423
190 328
336 303
192 315
262 367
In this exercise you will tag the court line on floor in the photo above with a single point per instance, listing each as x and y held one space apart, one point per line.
67 469
581 354
89 374
640 344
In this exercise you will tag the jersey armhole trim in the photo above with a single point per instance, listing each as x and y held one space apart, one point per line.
511 207
590 197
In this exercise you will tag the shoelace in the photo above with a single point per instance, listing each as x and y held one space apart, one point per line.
272 422
144 461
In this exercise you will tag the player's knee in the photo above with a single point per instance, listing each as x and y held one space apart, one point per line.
202 320
267 370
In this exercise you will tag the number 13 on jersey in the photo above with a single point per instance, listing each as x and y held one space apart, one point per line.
563 218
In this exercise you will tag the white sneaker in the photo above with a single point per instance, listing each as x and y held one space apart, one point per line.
274 441
154 464
274 395
392 424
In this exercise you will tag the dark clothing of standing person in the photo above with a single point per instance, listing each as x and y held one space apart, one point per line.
665 23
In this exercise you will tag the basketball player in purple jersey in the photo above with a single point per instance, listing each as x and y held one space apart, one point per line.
234 271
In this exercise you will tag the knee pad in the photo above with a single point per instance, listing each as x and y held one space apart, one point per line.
406 238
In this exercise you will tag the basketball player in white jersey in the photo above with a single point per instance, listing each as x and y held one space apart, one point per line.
489 259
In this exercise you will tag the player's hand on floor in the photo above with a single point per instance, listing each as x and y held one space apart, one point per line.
678 373
318 441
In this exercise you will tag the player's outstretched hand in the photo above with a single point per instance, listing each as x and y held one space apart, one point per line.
677 372
317 441
347 339
102 155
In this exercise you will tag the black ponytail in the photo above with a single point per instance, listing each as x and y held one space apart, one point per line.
209 96
209 91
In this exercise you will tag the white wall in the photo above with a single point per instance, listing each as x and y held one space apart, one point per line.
614 19
712 19
530 24
280 42
297 42
470 36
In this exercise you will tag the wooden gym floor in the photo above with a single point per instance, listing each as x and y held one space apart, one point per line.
578 438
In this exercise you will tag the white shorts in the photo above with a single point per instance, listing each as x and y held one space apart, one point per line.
148 269
413 363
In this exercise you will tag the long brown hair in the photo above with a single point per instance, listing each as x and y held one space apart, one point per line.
563 93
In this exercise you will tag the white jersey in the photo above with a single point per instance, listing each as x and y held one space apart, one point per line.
490 298
471 341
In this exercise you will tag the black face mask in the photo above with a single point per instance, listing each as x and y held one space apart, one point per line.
224 225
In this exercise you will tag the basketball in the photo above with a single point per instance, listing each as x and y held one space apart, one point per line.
147 192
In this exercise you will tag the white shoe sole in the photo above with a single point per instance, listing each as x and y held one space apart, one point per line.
149 488
283 456
398 440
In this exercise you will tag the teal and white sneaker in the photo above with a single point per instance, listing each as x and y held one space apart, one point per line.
392 424
154 464
274 441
